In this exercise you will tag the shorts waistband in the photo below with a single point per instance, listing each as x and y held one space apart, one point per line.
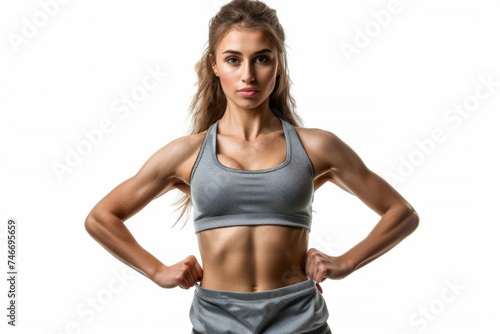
260 295
323 329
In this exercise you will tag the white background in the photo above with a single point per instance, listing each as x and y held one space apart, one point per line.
393 93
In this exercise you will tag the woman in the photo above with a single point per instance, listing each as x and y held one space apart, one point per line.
251 173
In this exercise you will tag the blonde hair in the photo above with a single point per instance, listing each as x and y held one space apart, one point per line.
209 103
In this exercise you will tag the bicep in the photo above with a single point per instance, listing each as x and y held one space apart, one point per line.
154 178
349 171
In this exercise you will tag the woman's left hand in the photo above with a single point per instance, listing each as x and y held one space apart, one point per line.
320 266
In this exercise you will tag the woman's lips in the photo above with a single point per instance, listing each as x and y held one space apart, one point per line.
248 93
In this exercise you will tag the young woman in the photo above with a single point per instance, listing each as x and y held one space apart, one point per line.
250 173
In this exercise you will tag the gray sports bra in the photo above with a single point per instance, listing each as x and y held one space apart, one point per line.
281 195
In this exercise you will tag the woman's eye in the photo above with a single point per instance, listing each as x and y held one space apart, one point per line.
234 60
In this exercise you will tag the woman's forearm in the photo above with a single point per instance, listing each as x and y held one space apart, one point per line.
395 225
111 233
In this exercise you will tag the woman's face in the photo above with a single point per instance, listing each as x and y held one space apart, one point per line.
246 59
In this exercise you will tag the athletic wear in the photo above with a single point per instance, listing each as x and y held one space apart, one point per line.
294 309
281 195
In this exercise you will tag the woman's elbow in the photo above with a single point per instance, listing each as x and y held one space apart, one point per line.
94 222
414 220
90 224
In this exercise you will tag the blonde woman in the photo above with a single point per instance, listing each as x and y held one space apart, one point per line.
249 171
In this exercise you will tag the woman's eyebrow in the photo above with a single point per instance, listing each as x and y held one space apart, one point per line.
237 52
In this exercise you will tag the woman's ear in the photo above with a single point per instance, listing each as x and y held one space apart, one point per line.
214 65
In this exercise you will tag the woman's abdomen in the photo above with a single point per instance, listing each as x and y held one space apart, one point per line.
252 258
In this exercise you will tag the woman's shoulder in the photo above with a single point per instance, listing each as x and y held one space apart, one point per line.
316 138
182 148
327 150
324 147
180 154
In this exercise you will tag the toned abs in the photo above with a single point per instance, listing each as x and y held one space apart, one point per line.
247 258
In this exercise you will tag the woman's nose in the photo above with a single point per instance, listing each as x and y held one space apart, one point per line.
248 72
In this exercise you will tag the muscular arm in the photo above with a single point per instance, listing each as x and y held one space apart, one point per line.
341 165
105 222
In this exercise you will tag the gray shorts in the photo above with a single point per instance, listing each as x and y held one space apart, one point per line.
295 309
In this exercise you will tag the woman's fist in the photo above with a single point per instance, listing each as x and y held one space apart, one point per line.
183 274
320 266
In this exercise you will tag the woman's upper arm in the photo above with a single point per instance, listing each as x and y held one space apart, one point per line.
346 169
156 175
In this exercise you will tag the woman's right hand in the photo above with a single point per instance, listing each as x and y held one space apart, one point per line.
183 274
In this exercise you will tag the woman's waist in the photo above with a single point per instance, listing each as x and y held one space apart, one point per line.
253 258
251 275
